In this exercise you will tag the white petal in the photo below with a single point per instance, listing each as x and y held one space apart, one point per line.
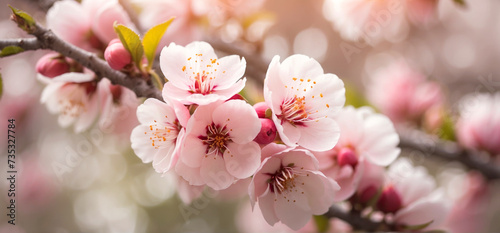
214 173
319 135
240 119
242 160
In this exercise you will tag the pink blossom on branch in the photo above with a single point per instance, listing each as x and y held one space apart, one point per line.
479 124
74 97
402 93
159 137
304 101
197 76
289 187
219 148
89 24
366 138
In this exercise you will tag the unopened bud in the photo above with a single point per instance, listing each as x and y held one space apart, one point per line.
117 56
367 194
116 92
236 97
267 132
261 108
52 65
347 156
389 201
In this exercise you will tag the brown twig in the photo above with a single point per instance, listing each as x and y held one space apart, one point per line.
354 219
46 39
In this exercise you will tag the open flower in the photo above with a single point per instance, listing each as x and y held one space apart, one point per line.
74 97
118 108
367 137
158 138
88 25
197 76
219 148
289 188
304 101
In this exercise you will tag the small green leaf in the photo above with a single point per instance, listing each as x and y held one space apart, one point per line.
322 223
23 19
1 86
10 50
152 39
354 98
460 3
418 227
447 129
132 42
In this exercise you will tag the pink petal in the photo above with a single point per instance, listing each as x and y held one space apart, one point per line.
214 173
348 185
301 159
70 21
191 175
290 214
173 92
289 134
380 141
320 191
267 207
242 160
320 135
272 149
193 151
423 211
102 24
229 70
188 192
240 119
261 177
153 110
175 67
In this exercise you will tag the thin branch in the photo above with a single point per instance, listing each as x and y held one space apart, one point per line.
354 219
46 39
447 150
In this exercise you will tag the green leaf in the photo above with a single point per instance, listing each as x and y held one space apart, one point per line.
23 19
152 39
418 227
447 129
460 3
10 50
132 42
1 86
322 223
354 98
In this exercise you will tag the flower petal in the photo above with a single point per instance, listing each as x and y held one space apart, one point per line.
214 173
240 119
242 160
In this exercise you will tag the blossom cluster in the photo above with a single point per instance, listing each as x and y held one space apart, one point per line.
302 149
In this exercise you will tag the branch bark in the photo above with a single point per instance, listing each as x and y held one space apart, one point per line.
46 39
447 150
354 219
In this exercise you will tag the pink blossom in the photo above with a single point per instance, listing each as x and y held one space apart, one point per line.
267 132
304 101
88 25
197 76
479 124
289 187
159 136
403 94
219 148
375 21
118 108
74 97
420 203
52 65
366 135
469 212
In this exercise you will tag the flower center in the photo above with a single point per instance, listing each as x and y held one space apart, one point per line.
216 139
160 134
202 84
294 110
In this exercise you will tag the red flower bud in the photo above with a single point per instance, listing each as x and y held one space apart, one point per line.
389 201
367 194
346 156
117 56
52 65
267 132
261 108
236 97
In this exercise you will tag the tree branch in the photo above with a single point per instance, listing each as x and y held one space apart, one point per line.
46 39
354 219
447 150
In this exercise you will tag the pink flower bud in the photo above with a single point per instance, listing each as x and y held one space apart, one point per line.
117 56
236 97
114 41
366 195
267 132
389 201
261 108
347 156
116 92
52 65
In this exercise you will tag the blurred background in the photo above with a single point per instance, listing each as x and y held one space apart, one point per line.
93 182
